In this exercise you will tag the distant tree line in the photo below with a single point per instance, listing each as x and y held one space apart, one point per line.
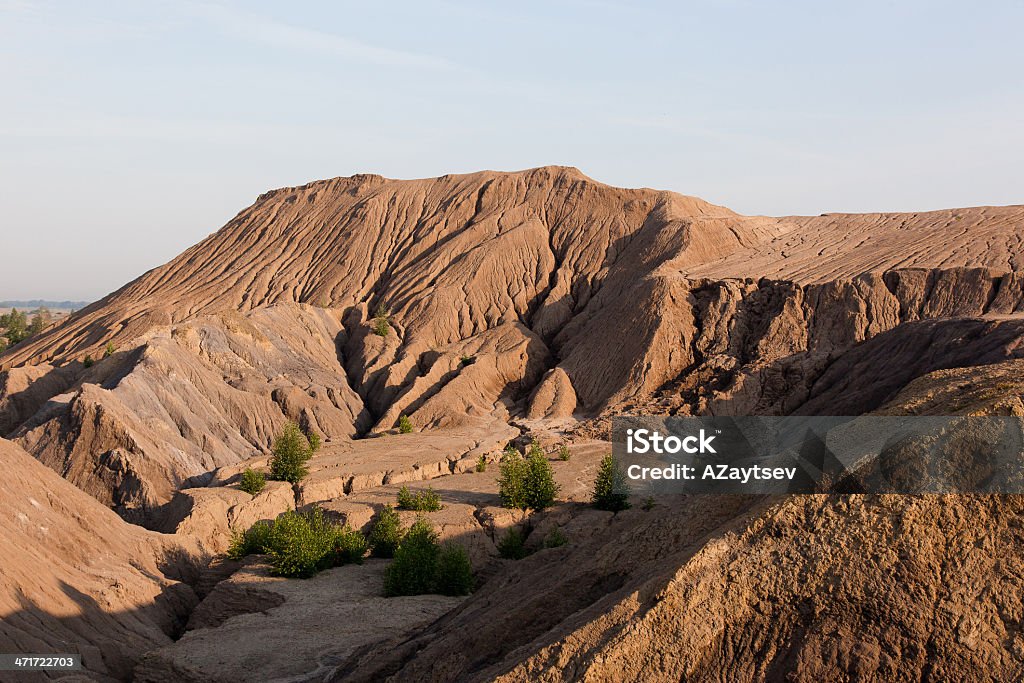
15 327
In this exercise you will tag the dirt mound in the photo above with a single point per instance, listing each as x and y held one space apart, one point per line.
809 588
470 297
841 245
184 400
77 578
482 306
450 256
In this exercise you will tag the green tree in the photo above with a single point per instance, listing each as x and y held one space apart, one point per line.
512 545
610 487
386 535
512 479
252 481
541 488
422 565
17 327
414 569
454 571
291 451
39 322
382 321
404 424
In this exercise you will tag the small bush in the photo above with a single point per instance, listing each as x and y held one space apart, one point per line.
512 479
349 546
414 569
648 504
454 571
423 501
563 452
87 361
610 487
314 442
526 483
252 481
300 544
404 424
109 350
382 321
541 488
555 539
466 360
511 546
253 541
386 535
481 464
291 451
422 565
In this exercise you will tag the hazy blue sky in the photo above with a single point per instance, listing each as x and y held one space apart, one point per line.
130 130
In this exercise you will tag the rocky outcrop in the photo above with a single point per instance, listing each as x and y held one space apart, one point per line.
554 397
778 347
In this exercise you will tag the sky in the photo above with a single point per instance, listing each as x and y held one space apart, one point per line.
131 130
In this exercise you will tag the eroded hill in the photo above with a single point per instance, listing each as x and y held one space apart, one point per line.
494 307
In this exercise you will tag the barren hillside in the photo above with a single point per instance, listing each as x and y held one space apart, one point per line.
492 308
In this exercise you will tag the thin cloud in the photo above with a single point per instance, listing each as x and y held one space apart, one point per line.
275 33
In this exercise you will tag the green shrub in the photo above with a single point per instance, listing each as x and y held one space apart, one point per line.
314 442
253 541
481 464
555 539
16 326
349 546
109 350
414 569
404 424
511 546
87 361
610 487
526 483
648 504
512 479
423 501
300 544
382 321
541 488
252 481
422 565
291 451
386 534
454 571
563 452
466 360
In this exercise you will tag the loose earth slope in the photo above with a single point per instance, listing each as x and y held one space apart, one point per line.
494 307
